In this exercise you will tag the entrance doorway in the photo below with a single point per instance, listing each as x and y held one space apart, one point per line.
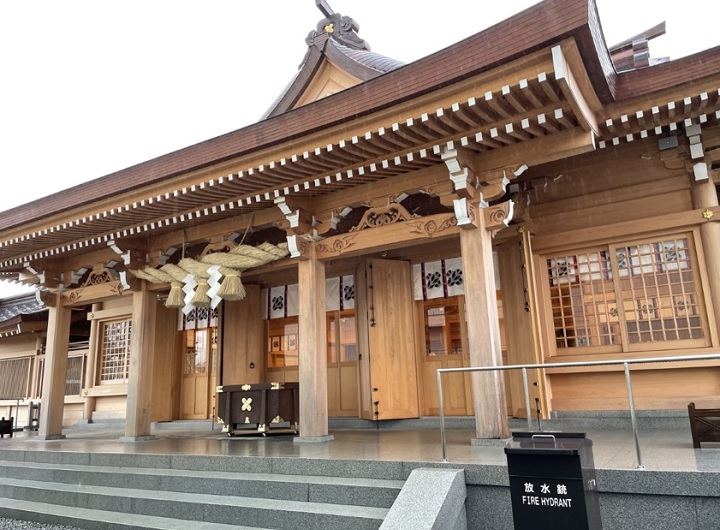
342 367
445 340
199 374
388 376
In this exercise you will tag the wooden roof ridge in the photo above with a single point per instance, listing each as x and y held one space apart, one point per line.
335 39
691 68
657 30
634 52
538 27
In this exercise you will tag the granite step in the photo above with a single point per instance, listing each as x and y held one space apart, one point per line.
355 491
162 491
54 514
211 464
224 509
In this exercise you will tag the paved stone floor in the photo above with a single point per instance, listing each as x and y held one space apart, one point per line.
662 449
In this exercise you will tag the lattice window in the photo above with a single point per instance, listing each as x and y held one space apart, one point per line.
659 295
581 294
73 376
625 294
115 352
14 374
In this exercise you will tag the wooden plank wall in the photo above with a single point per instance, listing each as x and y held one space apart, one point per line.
632 182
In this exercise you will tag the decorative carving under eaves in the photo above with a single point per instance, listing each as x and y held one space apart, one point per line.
99 276
439 189
212 248
498 217
47 298
72 296
382 216
432 227
337 244
297 246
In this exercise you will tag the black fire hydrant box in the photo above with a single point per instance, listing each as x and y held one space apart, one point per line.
552 482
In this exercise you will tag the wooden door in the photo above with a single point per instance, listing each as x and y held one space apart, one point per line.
342 364
198 374
445 346
282 350
391 340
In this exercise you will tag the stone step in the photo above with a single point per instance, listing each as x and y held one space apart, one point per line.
55 514
339 490
224 509
212 463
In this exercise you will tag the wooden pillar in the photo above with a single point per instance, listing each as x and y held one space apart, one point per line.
705 195
137 420
313 350
55 368
93 352
491 419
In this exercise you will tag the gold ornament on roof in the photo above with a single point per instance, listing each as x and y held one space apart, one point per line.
329 28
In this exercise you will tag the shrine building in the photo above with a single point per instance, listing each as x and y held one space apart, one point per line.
527 196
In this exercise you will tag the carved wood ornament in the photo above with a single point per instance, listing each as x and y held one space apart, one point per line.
103 278
337 244
433 227
498 217
382 216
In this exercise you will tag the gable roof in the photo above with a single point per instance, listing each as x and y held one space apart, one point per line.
335 40
538 28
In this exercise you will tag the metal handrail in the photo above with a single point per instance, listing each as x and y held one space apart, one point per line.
524 367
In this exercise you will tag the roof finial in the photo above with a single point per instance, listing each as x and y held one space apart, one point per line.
324 8
342 29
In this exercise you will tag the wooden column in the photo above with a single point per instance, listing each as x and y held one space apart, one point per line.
137 420
313 350
491 419
93 352
55 368
705 195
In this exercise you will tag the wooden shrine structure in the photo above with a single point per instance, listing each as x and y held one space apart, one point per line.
514 198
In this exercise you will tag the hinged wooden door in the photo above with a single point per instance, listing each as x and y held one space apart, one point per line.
391 340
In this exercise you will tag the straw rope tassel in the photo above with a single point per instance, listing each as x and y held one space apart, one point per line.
201 298
176 299
231 288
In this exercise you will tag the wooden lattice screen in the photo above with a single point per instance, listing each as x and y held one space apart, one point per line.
14 377
635 294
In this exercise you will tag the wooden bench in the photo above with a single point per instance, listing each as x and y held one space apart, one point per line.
704 425
6 427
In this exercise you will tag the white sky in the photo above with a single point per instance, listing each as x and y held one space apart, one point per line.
90 87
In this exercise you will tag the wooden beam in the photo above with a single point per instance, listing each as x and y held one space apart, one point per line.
412 182
387 237
611 231
573 81
95 293
265 217
538 151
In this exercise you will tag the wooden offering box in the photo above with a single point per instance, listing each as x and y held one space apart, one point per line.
259 408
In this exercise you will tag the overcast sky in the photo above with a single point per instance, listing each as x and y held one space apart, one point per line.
90 87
